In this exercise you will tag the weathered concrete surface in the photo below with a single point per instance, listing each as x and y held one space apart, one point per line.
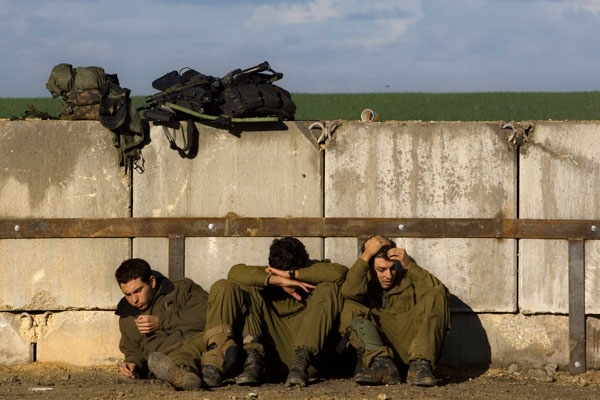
60 169
72 337
558 179
593 342
79 338
268 174
14 348
433 170
500 340
59 274
275 173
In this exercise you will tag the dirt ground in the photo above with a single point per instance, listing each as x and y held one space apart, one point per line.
44 381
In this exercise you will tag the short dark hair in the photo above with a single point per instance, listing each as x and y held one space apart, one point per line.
383 251
287 253
133 268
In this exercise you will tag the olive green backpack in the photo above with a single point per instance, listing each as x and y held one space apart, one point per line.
89 93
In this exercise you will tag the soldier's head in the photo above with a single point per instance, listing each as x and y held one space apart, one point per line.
287 253
137 283
385 270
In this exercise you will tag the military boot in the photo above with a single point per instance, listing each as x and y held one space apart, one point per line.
381 371
298 374
211 376
254 370
223 358
420 373
164 368
234 361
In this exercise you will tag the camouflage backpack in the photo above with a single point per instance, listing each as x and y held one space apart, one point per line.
82 88
89 93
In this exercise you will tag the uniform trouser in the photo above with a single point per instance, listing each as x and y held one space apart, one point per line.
188 352
416 333
259 326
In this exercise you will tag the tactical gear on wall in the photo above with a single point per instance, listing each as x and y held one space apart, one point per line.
242 94
89 93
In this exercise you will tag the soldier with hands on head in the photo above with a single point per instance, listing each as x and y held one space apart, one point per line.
395 314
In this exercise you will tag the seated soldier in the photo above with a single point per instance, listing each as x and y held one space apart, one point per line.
395 313
162 324
281 314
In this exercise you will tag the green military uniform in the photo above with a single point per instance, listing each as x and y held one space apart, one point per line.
181 309
281 324
412 317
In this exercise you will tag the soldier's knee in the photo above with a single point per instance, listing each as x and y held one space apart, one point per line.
365 334
327 288
221 286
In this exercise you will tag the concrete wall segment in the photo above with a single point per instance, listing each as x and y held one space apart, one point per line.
593 342
61 169
14 348
80 338
500 340
433 170
273 173
558 179
60 274
559 171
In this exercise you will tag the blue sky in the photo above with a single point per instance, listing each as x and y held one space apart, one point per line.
321 46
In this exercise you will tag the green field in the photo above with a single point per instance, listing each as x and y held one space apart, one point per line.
493 106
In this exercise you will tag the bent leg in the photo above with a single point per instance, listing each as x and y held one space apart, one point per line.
433 321
363 333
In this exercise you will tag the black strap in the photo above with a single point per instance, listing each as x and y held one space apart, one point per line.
187 151
339 349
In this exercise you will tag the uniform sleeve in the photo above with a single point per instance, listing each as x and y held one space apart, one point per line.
421 279
355 287
130 343
248 275
189 313
323 272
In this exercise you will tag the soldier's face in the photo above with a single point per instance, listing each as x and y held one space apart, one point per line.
138 293
386 272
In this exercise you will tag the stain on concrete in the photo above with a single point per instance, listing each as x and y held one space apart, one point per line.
42 300
42 155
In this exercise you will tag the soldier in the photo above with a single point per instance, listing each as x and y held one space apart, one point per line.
395 312
162 325
284 313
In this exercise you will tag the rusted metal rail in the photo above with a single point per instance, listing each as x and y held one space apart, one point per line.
576 232
21 228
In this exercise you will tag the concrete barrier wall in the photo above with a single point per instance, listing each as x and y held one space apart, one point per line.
510 297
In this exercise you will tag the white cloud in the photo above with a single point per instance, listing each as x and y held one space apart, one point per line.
331 12
319 45
592 6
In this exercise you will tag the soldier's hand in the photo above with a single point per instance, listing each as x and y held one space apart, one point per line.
295 288
147 323
372 246
128 370
399 254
